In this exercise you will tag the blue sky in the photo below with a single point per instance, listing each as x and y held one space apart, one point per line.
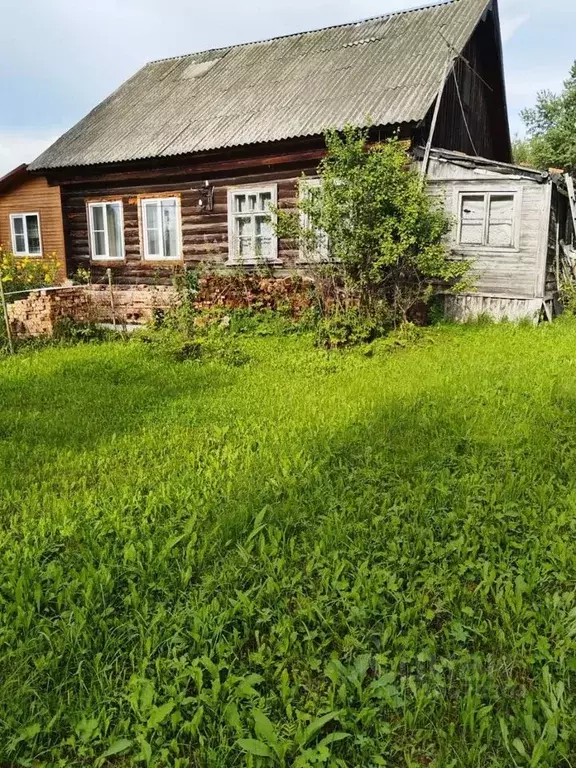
62 57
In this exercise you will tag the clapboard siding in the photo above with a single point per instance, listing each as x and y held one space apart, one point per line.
512 272
34 195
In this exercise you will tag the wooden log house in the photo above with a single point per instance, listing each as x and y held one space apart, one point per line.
180 164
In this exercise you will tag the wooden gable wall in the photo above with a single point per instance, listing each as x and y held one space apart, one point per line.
473 116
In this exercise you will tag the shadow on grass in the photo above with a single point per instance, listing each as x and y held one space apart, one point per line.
81 397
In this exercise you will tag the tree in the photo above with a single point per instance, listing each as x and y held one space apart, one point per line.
374 216
522 151
551 126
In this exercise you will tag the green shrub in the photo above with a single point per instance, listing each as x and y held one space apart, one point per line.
379 225
568 296
182 333
69 330
352 326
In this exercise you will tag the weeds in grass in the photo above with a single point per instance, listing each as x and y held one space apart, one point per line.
314 560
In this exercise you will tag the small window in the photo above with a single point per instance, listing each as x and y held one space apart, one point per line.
318 249
251 231
161 229
106 231
26 240
487 219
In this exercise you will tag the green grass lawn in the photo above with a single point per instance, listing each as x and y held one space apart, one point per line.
312 560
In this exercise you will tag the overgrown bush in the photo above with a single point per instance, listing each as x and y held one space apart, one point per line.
372 217
182 333
25 273
68 330
568 296
352 326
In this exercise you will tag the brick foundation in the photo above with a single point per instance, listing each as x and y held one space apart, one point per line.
39 314
293 294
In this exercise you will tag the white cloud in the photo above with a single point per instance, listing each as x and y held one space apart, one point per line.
18 147
511 24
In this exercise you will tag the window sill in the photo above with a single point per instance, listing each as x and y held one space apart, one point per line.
29 255
162 260
470 250
254 263
322 261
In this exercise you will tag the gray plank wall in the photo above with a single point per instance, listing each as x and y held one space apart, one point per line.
514 272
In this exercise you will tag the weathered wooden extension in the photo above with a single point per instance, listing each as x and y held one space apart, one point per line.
512 223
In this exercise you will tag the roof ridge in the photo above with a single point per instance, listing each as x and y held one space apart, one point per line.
382 17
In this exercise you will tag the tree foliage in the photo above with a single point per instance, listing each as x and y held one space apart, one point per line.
376 221
552 127
522 151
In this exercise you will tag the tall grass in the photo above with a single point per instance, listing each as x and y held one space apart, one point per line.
312 560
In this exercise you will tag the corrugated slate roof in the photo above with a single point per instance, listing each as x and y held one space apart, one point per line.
382 71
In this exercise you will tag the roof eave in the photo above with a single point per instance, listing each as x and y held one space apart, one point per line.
13 177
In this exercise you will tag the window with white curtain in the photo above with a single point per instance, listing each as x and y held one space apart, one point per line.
161 228
318 248
487 219
25 229
250 225
106 222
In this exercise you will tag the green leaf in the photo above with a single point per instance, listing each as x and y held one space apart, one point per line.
332 738
232 716
316 726
520 748
159 714
264 728
119 746
145 751
504 730
255 747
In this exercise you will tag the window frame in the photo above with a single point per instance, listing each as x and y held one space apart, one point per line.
25 253
323 255
488 192
91 204
158 200
234 258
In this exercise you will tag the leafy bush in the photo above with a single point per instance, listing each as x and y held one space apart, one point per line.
568 296
69 330
379 225
182 333
25 273
349 327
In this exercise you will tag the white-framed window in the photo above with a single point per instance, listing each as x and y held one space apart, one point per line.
251 233
161 228
488 219
317 250
26 237
106 220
